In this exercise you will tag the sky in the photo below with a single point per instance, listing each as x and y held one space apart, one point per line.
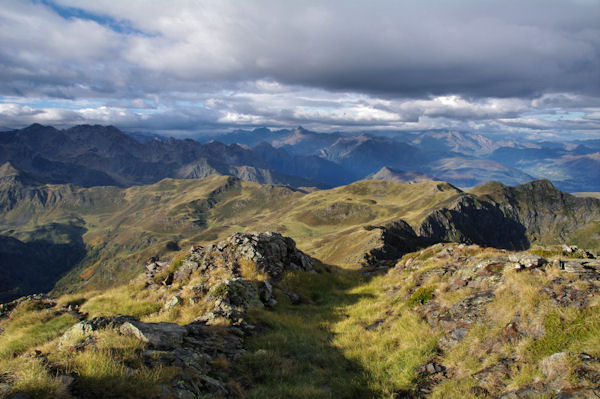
525 68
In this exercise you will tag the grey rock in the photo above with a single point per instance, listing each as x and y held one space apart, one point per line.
469 310
174 301
266 294
527 260
432 368
212 384
375 324
158 335
87 327
584 269
578 393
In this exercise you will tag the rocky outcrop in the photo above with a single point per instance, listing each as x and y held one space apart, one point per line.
192 350
548 215
223 280
271 253
226 279
482 283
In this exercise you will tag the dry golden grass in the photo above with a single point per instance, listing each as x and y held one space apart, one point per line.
249 270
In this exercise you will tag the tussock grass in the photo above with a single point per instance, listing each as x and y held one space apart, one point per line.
72 300
322 349
249 271
294 355
101 373
31 376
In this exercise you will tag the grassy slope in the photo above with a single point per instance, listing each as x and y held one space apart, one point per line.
126 226
321 349
356 337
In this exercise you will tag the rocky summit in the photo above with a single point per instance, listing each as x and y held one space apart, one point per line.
219 283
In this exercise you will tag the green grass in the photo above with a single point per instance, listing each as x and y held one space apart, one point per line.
573 330
421 296
294 356
103 372
114 367
28 328
124 227
33 378
322 349
130 300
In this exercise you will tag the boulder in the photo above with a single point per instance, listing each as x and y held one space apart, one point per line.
584 269
174 301
527 260
86 328
271 252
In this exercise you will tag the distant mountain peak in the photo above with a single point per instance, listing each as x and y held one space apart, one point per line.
7 169
397 175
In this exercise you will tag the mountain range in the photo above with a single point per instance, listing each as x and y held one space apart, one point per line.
103 155
461 158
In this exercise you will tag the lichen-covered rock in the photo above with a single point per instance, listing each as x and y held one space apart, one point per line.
271 252
584 269
173 302
468 311
85 328
527 260
266 294
237 273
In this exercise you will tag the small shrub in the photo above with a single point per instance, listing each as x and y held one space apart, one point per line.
420 296
219 290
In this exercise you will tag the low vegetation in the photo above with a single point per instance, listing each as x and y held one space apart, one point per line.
446 321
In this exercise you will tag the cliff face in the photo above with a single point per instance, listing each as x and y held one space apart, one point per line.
549 215
496 216
471 221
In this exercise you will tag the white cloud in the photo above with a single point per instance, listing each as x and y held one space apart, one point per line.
185 65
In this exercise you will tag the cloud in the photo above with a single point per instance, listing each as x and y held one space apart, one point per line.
190 65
